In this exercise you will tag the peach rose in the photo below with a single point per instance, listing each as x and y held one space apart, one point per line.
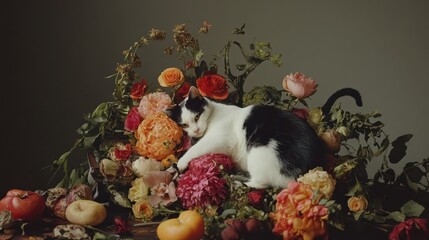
299 85
332 140
142 210
171 77
153 103
157 136
319 180
357 204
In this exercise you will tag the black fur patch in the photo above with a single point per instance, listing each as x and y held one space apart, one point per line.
175 113
196 104
298 145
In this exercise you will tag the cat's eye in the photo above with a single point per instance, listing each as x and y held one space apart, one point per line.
197 117
184 125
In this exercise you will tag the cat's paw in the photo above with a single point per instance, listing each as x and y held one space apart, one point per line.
254 184
182 165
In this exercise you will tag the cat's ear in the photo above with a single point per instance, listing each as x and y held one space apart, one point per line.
194 93
169 111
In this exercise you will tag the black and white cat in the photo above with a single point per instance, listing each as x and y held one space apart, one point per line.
274 146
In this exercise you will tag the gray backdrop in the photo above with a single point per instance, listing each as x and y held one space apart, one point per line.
57 53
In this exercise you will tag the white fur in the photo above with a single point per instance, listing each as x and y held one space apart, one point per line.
221 130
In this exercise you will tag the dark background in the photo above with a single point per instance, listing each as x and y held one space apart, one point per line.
56 55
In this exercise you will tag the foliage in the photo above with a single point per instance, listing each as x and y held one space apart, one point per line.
360 135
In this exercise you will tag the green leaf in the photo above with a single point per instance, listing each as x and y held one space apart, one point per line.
396 216
240 67
357 215
399 148
412 185
389 175
228 212
356 190
412 209
88 142
414 173
384 145
345 168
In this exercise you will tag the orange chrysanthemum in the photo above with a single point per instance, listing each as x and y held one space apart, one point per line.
157 136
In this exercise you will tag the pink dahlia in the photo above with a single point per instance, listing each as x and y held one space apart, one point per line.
154 103
212 159
201 187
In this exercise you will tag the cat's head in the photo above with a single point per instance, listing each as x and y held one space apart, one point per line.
192 114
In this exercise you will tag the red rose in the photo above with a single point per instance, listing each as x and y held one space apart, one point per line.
121 226
133 119
413 228
137 90
213 86
123 154
182 92
301 113
256 197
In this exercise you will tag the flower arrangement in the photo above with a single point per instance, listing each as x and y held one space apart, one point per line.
133 147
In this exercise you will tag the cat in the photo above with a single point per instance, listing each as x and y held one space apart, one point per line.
274 146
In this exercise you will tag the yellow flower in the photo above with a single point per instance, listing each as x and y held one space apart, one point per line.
357 204
157 136
315 117
171 77
169 160
142 210
139 190
319 180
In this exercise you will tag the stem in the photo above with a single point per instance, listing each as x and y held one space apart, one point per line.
146 224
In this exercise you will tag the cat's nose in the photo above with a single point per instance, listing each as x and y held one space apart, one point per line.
196 130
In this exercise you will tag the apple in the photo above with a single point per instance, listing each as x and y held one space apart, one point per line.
188 226
86 212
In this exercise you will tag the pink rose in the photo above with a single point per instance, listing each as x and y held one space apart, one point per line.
256 197
413 228
133 119
299 85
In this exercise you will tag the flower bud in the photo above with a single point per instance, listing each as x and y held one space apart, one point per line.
332 140
357 204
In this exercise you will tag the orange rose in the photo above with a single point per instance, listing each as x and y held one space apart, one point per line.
157 136
357 204
213 86
171 77
142 210
332 140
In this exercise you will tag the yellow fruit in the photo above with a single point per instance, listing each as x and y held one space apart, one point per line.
188 226
86 212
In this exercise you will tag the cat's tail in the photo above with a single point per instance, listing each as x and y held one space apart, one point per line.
326 108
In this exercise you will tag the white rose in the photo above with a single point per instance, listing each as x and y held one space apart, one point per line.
143 165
